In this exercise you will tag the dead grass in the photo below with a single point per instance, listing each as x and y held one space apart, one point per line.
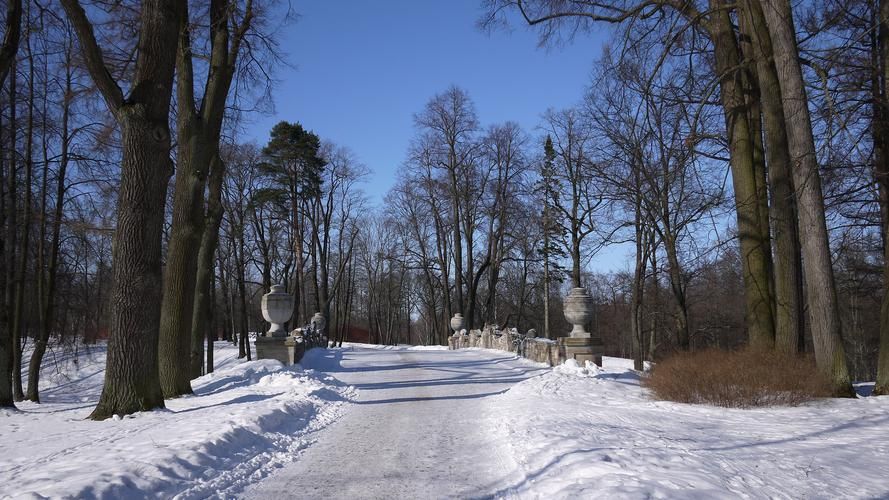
741 379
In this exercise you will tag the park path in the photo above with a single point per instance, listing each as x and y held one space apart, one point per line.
421 428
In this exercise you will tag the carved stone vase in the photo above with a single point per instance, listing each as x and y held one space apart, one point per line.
277 307
318 323
457 323
579 311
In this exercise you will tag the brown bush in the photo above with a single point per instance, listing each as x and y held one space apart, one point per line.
741 379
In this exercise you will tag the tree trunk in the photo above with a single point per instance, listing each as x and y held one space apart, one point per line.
212 320
677 286
8 51
638 292
754 261
174 346
48 299
243 342
823 305
656 300
788 281
881 172
11 242
18 318
199 132
460 306
131 377
200 326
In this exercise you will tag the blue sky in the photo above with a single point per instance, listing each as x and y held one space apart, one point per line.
362 68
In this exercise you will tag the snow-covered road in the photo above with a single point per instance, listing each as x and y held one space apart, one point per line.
418 429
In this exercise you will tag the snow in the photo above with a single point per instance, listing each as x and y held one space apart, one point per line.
602 435
417 429
419 422
245 420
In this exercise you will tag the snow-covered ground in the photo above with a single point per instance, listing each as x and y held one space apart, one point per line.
408 422
418 428
245 420
580 433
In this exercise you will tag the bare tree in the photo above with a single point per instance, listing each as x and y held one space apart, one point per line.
820 284
199 124
131 378
558 18
447 140
8 51
579 199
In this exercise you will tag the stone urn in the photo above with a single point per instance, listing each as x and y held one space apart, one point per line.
277 307
318 322
579 311
457 323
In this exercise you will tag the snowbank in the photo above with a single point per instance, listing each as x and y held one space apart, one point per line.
245 420
601 436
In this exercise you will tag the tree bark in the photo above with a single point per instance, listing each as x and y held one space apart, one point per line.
823 307
786 265
200 326
131 377
11 38
638 291
199 131
754 261
18 318
881 172
8 52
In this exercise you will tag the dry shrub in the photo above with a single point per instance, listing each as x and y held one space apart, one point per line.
741 379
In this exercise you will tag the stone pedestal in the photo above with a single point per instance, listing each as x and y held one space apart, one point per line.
581 349
287 350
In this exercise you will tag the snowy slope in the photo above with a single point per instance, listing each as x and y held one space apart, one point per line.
245 420
580 433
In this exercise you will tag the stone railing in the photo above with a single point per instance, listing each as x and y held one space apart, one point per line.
510 340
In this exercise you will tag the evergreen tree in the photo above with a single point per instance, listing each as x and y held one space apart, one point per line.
292 161
550 251
293 165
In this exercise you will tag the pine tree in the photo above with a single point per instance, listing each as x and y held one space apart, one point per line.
550 251
293 166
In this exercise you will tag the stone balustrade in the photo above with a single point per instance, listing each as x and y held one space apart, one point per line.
510 340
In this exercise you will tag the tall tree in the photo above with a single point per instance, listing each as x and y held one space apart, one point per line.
293 166
576 205
783 213
880 88
131 377
199 125
47 285
447 128
820 285
8 51
550 250
18 312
